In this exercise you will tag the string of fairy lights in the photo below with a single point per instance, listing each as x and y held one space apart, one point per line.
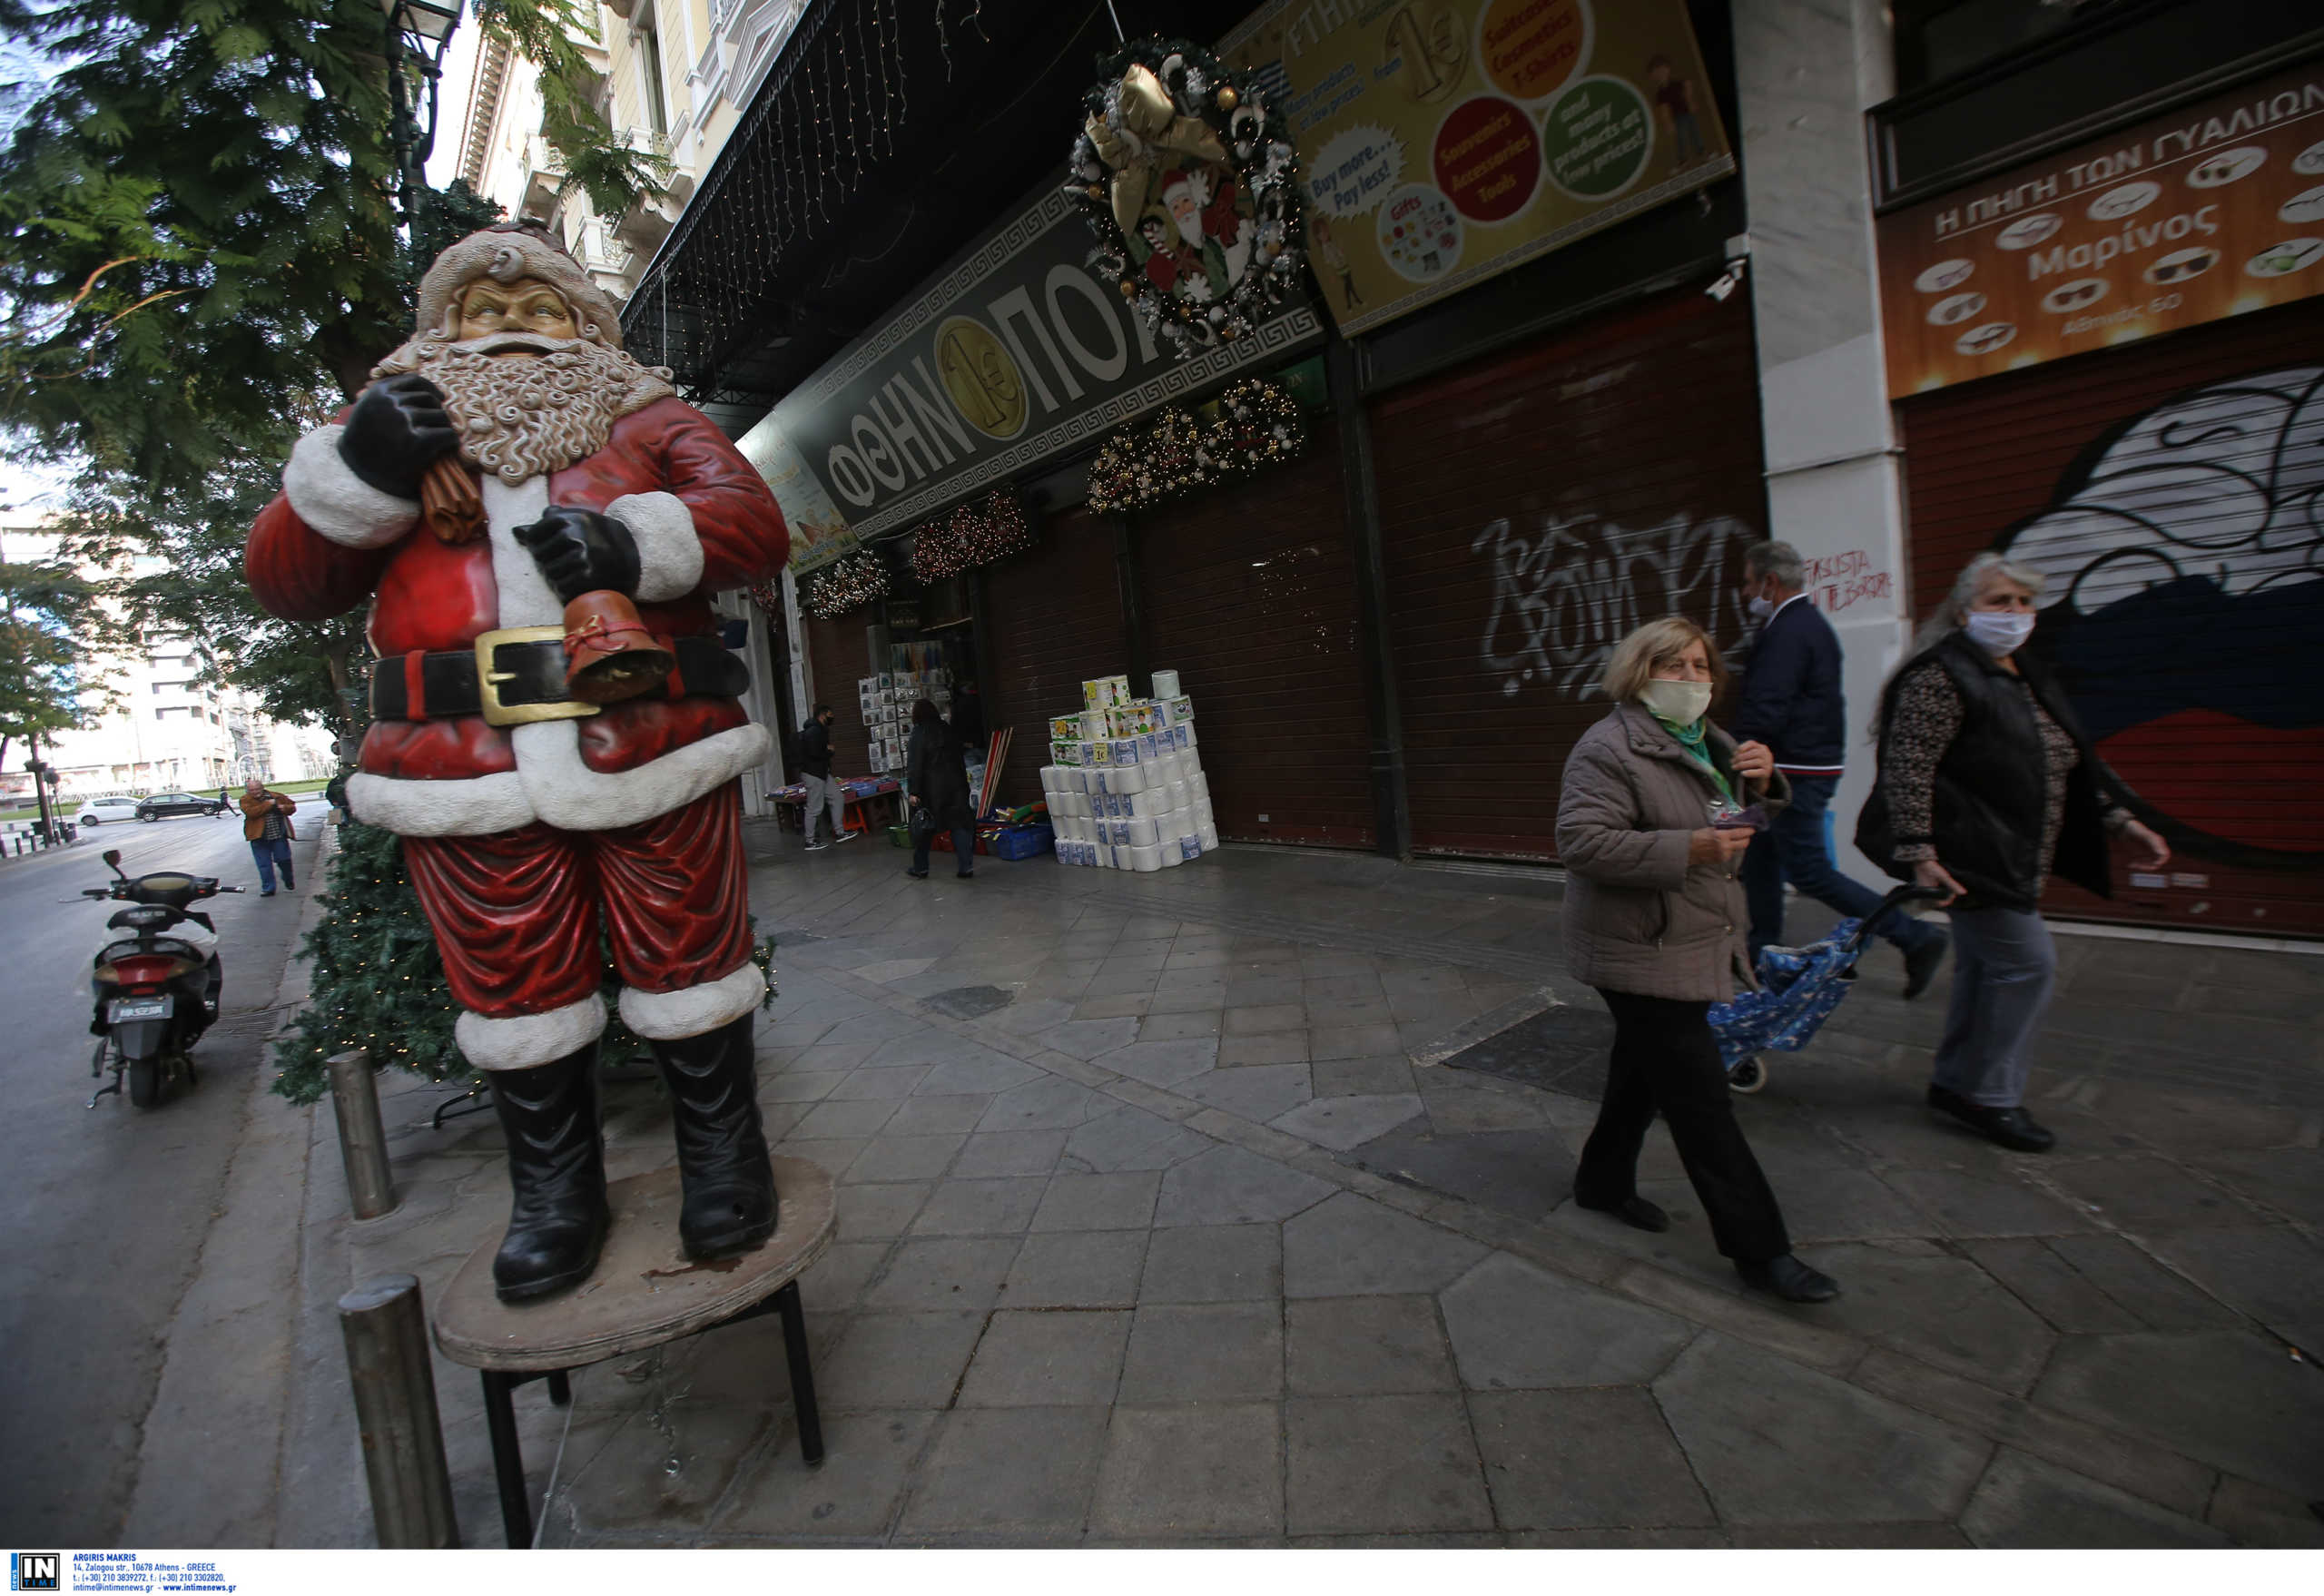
979 533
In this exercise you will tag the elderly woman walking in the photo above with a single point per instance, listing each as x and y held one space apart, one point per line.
1656 814
936 770
1986 785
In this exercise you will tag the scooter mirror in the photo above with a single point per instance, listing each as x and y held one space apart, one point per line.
112 857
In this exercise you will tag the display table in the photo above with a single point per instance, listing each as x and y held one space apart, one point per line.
866 802
646 1294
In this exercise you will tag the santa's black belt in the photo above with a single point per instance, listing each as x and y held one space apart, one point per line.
517 675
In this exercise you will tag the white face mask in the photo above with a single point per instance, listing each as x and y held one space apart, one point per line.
1681 703
1760 608
1999 632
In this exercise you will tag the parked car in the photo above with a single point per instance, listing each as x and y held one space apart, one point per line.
161 805
97 811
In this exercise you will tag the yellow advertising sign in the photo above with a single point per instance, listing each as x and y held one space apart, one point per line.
819 532
1446 140
2203 212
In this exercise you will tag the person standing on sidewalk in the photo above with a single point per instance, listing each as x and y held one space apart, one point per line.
936 770
1791 701
1986 783
815 775
266 826
1652 820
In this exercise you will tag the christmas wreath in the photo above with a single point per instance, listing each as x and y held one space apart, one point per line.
970 535
1187 172
1176 453
847 585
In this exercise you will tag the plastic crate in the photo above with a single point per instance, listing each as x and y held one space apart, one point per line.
1023 842
899 836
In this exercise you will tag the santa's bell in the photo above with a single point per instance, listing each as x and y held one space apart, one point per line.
609 656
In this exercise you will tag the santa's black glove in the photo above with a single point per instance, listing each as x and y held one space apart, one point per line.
398 428
581 551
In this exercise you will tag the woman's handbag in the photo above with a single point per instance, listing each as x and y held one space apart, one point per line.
922 823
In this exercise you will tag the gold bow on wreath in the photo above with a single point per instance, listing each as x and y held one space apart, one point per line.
1149 129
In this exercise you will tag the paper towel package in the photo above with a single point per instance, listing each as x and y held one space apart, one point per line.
1066 728
1181 795
1209 835
1165 684
1126 779
1204 814
1199 787
1122 776
1180 711
1146 858
1190 846
1142 833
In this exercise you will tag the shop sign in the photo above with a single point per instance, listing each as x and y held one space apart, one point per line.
2205 212
819 532
1447 141
1015 353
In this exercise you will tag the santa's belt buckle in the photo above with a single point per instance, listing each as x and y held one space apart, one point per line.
490 678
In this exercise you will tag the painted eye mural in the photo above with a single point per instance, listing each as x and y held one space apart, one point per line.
2184 552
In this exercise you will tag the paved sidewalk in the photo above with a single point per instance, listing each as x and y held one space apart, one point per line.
1154 1230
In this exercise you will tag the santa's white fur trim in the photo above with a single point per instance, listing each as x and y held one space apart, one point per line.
567 794
520 1041
666 1017
473 807
335 502
669 553
525 597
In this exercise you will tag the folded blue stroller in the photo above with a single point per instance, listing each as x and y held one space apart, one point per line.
1799 990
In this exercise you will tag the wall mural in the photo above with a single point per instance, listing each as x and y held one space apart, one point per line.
2185 557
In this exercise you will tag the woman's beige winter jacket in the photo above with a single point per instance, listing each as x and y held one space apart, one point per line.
1638 917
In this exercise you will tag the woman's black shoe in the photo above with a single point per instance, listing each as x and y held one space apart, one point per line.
1634 1211
557 1176
1790 1279
918 875
2012 1128
723 1168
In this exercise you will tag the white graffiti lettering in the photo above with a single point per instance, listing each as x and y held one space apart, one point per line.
1563 597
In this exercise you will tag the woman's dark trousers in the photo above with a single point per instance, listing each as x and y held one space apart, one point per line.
1665 1058
964 848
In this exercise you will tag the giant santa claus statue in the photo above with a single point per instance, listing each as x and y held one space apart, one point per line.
508 469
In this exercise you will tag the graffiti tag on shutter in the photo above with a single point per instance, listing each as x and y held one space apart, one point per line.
1563 597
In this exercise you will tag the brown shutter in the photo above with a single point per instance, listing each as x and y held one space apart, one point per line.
841 660
1536 507
1054 620
2205 703
1249 595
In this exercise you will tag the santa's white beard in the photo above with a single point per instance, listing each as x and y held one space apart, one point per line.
528 415
1190 230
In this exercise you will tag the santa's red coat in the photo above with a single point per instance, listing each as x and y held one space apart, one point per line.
705 521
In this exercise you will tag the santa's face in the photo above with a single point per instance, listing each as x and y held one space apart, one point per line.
527 305
1187 209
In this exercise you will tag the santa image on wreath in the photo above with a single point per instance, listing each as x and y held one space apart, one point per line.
555 732
1196 236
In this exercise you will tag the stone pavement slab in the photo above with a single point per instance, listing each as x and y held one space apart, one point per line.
1161 1223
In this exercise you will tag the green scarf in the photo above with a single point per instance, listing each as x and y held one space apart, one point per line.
1694 740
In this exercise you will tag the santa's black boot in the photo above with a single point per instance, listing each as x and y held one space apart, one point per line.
722 1161
557 1171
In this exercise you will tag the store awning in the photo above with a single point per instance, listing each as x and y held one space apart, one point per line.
886 134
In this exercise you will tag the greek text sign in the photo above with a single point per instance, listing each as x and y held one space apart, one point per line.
1012 354
1446 140
2204 213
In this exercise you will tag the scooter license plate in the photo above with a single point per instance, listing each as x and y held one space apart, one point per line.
126 1008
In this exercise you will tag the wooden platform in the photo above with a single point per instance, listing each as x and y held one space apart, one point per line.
646 1291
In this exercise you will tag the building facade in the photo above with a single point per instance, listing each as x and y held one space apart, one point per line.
1894 284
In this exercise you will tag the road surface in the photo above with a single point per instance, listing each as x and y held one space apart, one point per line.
103 1213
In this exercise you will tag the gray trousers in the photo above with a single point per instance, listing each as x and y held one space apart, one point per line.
2004 968
823 792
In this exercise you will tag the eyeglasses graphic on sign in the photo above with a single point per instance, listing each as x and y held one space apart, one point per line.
1944 276
2072 296
2028 230
2306 207
2294 254
2182 265
2217 170
2131 198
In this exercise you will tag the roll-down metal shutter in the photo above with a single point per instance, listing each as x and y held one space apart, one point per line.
1054 620
842 659
1249 593
1537 506
2169 490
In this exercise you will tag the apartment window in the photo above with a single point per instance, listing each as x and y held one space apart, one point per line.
649 70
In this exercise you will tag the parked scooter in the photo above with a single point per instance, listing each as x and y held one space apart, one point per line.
156 989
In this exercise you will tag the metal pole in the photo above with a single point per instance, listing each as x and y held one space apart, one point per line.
363 1139
386 1331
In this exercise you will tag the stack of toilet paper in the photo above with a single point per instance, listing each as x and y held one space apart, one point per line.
1133 802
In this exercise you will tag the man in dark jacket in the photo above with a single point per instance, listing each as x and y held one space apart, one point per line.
815 774
1792 700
